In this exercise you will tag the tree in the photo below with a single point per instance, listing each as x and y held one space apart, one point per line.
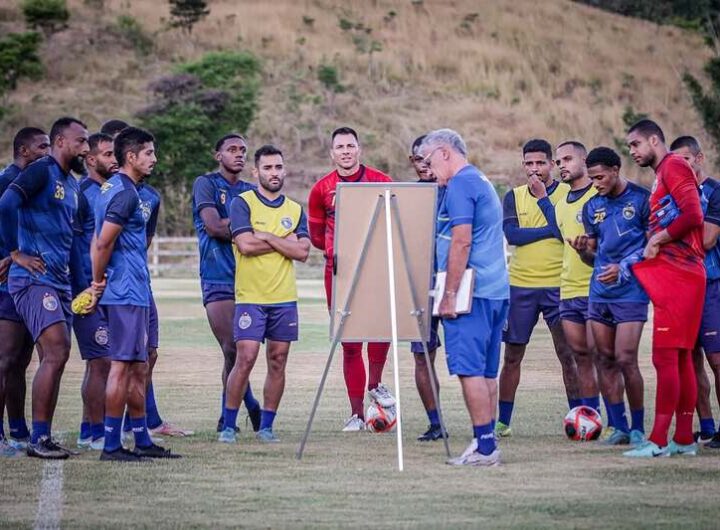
47 15
707 102
186 13
19 58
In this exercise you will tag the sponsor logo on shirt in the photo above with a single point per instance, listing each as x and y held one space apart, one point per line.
49 302
628 212
245 321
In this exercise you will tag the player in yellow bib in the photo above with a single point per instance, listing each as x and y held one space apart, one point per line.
530 226
270 232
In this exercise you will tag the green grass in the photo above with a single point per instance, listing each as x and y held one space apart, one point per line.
351 480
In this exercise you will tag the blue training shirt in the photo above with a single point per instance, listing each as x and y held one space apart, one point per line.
217 261
150 205
710 189
128 279
471 199
619 224
89 192
7 175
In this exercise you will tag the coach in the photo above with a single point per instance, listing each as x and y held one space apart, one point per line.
469 235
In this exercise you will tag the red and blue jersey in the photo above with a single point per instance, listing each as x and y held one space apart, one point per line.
710 189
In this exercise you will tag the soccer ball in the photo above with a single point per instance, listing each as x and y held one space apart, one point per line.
379 418
583 424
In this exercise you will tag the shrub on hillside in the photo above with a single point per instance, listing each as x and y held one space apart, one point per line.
707 102
186 13
19 58
130 29
47 15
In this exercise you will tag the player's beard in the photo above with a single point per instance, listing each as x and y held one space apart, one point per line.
273 188
77 164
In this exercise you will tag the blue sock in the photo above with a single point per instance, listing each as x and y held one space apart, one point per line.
576 402
638 420
18 428
617 411
250 402
230 418
493 424
39 428
506 410
485 438
139 429
97 431
222 408
434 417
113 430
611 422
126 422
85 431
267 417
707 426
593 402
151 411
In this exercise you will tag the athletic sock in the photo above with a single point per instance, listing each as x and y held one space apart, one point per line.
707 425
18 428
434 417
230 418
139 429
617 411
667 393
611 422
593 402
505 411
574 402
85 431
39 428
222 407
638 420
97 431
357 406
267 417
151 411
113 430
485 438
493 423
249 399
377 356
685 410
354 375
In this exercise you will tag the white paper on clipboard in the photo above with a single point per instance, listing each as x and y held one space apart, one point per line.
464 295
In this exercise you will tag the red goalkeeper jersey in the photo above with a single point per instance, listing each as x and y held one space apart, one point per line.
321 205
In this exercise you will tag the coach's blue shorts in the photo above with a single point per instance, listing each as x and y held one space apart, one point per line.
7 308
472 341
91 332
128 337
526 304
272 322
434 342
40 306
217 292
613 313
574 309
709 337
153 325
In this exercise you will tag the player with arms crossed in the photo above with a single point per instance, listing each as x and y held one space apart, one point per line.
212 195
345 154
270 232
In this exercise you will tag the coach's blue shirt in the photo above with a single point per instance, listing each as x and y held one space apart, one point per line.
89 192
217 262
471 199
710 189
128 279
619 224
46 221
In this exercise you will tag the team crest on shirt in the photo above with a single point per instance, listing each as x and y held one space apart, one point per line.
628 212
101 336
49 302
245 321
286 223
59 191
599 216
578 217
145 209
223 198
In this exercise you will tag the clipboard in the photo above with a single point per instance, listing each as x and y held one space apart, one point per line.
464 295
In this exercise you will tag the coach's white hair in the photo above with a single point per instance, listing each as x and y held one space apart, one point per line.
446 137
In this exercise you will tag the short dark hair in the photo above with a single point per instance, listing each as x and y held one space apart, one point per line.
686 141
344 130
130 140
96 139
61 124
23 138
537 145
603 156
113 127
647 128
221 141
417 143
266 150
577 145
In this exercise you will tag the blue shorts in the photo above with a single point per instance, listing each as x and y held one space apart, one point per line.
434 342
472 341
41 306
217 292
7 308
259 322
613 313
709 337
153 325
574 309
526 304
128 326
91 332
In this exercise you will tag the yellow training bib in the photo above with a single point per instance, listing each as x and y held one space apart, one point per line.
575 276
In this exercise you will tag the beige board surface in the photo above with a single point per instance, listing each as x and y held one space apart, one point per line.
369 309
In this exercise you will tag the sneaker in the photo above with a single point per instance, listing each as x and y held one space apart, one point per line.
676 449
7 450
637 438
97 445
703 437
477 459
254 416
19 443
433 433
46 448
354 424
607 432
267 436
154 451
119 455
84 443
228 436
647 450
502 430
168 429
221 426
715 442
381 394
617 438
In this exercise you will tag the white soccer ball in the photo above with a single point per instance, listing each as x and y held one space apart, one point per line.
379 418
583 424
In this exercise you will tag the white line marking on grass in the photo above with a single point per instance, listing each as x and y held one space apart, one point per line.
50 501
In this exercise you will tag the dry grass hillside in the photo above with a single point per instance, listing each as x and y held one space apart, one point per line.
497 71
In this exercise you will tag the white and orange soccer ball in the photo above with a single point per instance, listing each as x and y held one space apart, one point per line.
379 418
583 424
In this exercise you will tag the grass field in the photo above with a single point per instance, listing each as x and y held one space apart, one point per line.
350 480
